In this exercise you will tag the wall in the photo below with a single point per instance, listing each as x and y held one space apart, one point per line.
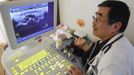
71 10
2 0
1 33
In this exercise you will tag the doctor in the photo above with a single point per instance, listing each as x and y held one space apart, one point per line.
116 56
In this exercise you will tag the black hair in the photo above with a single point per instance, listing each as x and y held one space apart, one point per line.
119 12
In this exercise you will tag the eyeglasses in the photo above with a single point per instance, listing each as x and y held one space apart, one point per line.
96 19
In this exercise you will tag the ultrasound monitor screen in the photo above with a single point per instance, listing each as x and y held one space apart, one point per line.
32 20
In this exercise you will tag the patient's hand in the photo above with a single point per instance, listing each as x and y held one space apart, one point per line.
81 43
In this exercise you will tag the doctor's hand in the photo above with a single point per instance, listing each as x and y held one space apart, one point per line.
73 70
81 43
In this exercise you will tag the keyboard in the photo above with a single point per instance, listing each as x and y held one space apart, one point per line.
44 62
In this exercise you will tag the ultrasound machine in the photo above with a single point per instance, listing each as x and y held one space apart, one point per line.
27 24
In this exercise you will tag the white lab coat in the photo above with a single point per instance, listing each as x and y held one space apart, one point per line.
119 59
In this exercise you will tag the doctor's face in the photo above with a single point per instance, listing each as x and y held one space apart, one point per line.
101 27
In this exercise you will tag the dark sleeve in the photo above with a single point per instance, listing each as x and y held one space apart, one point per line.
82 54
87 54
77 51
92 52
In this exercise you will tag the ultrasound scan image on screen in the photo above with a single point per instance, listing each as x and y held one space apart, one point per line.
32 20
